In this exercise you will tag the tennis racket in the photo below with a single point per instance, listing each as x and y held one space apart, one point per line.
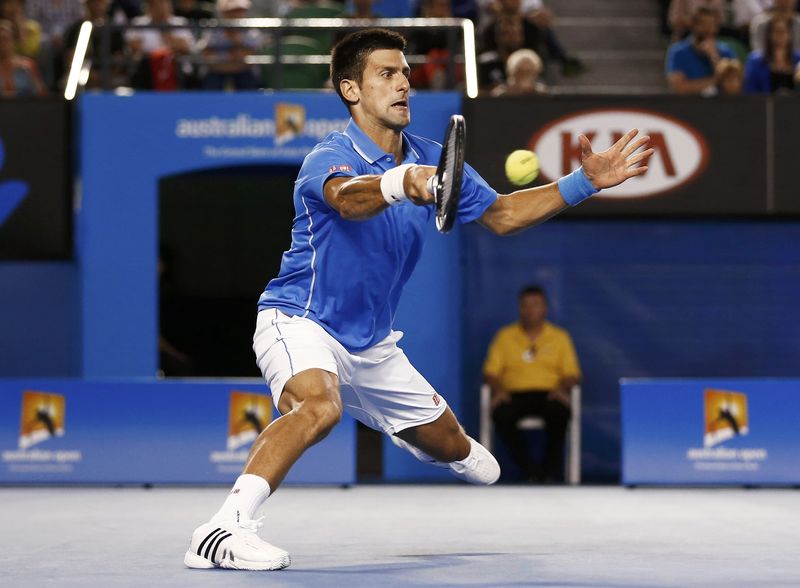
445 185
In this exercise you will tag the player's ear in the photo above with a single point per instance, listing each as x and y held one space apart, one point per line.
350 90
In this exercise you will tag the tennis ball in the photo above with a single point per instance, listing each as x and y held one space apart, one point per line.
522 167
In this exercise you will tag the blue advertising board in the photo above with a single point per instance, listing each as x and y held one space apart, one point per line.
711 431
148 432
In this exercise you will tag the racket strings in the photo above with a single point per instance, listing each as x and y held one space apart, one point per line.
447 173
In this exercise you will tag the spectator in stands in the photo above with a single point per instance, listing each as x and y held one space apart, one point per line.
505 35
97 13
786 9
531 367
157 50
124 11
54 16
228 50
27 32
269 8
159 12
434 45
194 10
543 17
523 69
681 15
363 9
744 11
18 74
540 18
773 70
730 77
691 63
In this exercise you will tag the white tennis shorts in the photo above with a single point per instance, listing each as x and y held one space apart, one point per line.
378 386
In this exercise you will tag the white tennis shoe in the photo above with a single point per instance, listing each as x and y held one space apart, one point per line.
479 467
235 546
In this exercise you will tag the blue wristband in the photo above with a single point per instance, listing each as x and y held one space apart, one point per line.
576 187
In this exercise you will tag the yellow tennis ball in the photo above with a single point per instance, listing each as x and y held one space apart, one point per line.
522 167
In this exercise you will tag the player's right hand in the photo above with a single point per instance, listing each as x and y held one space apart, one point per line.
415 184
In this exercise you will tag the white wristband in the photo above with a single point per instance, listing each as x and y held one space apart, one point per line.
392 184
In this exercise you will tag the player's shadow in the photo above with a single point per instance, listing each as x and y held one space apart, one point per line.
393 574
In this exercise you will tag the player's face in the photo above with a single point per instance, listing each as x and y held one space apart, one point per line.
384 87
532 309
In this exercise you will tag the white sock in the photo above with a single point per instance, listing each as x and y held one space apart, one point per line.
248 493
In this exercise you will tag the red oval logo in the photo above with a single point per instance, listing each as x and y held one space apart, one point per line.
681 152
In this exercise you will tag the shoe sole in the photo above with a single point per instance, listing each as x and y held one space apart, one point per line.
197 562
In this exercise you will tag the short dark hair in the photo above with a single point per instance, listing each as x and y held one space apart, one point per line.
703 11
532 290
349 56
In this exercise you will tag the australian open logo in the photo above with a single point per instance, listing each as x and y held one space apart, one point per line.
290 122
726 419
725 416
248 414
43 417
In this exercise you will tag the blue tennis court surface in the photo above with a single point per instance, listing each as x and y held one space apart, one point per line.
413 536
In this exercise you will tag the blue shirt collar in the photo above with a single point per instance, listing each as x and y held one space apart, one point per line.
367 148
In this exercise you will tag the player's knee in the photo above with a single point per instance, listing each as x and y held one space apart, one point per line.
324 412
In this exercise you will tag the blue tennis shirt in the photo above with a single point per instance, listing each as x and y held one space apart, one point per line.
347 275
682 56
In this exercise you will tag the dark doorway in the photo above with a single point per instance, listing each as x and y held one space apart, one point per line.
222 234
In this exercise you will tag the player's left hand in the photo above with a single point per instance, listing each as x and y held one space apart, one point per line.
616 164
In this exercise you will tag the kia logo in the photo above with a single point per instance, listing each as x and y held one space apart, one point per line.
681 152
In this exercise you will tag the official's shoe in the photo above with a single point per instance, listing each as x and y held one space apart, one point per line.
235 546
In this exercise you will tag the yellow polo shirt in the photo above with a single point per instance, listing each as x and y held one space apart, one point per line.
522 364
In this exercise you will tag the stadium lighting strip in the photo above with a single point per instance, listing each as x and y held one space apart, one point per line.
470 64
76 70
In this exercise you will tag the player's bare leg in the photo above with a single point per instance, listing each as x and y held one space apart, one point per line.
444 443
311 408
443 439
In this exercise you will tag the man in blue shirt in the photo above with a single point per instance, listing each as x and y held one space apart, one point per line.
324 338
691 62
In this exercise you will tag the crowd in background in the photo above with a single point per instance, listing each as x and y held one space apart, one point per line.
38 40
719 46
732 47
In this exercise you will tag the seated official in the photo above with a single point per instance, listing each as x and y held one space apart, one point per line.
531 367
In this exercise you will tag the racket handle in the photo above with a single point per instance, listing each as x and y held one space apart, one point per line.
432 181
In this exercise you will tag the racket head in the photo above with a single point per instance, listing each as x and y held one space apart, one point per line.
449 174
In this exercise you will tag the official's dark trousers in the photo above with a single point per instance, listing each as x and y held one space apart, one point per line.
556 417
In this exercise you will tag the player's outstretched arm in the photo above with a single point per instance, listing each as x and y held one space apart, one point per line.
362 197
516 211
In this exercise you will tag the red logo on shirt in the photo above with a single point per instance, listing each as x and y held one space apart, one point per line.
341 168
436 399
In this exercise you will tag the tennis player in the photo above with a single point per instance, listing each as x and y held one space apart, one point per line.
324 338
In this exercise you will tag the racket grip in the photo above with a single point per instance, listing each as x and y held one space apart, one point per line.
432 181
